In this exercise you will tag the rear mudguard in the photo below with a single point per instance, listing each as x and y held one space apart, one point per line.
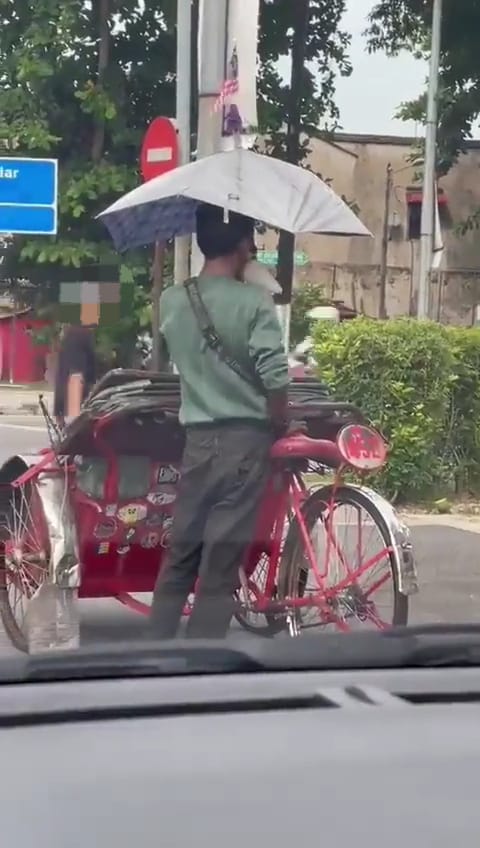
398 533
52 490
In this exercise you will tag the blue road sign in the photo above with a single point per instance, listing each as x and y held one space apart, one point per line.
28 196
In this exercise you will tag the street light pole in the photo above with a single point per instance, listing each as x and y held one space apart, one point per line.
382 311
428 198
183 111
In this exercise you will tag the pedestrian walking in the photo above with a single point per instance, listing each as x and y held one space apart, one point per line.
226 342
75 372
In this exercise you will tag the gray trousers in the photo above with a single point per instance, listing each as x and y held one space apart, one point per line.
224 471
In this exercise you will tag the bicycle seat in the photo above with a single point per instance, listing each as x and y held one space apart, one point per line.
301 446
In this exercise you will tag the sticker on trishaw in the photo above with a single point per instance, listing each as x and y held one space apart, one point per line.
132 513
155 519
167 521
150 541
111 510
130 534
103 548
161 498
105 530
123 550
362 447
168 474
165 538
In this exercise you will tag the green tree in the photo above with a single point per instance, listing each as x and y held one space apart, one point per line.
80 82
291 113
397 25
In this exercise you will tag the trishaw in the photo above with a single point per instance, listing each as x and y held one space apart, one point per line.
90 516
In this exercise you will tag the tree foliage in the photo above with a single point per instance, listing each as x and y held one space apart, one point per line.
294 111
397 25
80 81
325 56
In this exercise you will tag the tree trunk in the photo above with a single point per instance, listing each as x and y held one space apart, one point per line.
286 241
103 6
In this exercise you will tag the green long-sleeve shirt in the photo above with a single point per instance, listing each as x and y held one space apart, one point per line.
245 319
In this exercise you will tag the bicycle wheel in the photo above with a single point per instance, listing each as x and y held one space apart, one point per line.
246 599
351 576
24 559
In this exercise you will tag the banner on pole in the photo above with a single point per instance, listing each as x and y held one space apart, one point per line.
238 96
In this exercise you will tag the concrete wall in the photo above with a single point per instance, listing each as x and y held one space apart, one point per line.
357 168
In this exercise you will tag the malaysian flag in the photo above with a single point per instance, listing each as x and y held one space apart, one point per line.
229 88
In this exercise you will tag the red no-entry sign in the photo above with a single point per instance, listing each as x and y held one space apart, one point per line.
160 152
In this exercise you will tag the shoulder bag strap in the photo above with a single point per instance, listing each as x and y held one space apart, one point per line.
211 336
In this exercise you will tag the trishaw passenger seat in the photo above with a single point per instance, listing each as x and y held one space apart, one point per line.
301 446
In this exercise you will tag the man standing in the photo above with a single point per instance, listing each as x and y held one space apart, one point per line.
75 373
226 342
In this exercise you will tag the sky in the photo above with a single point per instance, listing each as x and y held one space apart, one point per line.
369 98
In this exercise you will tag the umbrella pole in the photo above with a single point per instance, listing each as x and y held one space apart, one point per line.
157 287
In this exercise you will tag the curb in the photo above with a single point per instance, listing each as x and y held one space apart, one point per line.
469 523
23 409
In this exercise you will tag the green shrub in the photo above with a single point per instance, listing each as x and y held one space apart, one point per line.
401 374
463 424
305 298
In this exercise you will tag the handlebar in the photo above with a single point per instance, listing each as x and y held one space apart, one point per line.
308 410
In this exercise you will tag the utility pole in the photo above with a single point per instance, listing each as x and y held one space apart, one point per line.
212 25
428 197
183 112
286 240
382 309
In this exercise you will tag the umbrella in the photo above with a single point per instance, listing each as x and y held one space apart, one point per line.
281 195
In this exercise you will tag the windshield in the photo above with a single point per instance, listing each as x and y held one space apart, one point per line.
202 467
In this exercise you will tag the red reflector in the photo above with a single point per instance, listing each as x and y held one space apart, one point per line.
362 447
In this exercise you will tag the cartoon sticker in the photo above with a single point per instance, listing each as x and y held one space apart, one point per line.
161 498
156 519
103 548
130 534
167 522
131 513
105 530
123 550
111 510
150 541
168 474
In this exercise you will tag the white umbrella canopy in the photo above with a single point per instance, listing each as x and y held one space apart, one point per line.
278 194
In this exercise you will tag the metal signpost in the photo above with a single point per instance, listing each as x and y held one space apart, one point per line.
159 154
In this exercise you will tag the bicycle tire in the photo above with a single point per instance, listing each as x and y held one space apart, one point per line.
311 510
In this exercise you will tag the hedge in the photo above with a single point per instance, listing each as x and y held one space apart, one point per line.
419 383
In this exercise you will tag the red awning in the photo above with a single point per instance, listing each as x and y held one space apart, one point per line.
415 195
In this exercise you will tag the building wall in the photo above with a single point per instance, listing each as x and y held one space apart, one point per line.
357 168
21 359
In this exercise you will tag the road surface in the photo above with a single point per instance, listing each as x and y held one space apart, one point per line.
448 563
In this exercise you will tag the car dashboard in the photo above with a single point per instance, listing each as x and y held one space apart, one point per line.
266 759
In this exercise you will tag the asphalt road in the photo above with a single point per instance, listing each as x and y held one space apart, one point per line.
448 563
